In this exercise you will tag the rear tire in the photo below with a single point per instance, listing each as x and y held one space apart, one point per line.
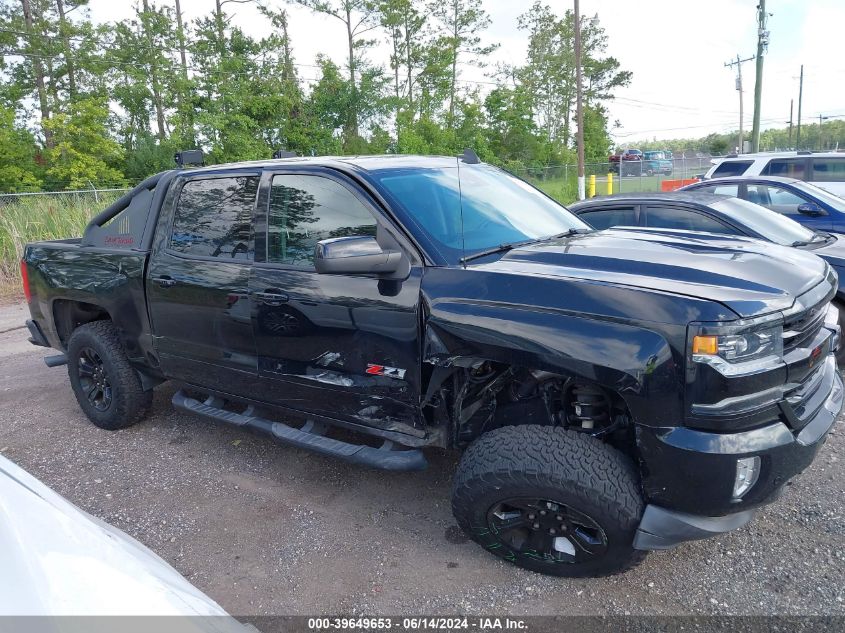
106 387
582 494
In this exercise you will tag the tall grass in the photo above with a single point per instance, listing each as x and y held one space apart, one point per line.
43 217
564 190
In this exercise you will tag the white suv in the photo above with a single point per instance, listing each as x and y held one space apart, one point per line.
824 169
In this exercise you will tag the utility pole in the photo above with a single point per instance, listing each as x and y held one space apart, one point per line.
579 111
822 119
762 46
800 96
791 101
738 63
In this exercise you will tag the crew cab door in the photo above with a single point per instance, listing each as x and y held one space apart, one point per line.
339 345
198 282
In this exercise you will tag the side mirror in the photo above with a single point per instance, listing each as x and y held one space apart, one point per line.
811 209
356 255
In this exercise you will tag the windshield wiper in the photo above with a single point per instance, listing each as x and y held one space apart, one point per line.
509 246
501 248
567 233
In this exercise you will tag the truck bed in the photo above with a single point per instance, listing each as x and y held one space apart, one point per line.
66 277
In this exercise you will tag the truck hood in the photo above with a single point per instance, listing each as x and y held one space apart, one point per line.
747 276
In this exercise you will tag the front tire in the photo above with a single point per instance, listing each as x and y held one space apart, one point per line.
106 387
552 501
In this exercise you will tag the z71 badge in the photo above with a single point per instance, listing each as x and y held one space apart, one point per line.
382 370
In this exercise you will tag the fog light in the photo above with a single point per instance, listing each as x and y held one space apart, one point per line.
747 471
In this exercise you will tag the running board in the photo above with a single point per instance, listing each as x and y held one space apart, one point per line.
309 437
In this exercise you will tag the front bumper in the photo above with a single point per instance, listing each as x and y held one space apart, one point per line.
664 529
691 473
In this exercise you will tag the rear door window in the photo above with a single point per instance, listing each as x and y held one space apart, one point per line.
686 220
828 170
731 168
721 190
786 167
213 218
606 218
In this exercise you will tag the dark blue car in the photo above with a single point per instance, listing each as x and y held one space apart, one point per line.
804 202
710 213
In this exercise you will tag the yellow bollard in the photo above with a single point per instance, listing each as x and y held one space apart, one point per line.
610 184
591 192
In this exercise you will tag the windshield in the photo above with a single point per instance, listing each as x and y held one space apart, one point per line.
822 194
489 207
769 224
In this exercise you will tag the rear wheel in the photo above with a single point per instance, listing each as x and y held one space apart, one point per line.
106 387
552 501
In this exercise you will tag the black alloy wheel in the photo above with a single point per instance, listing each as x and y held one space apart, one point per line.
546 530
94 380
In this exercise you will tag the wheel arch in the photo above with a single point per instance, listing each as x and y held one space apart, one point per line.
69 314
634 366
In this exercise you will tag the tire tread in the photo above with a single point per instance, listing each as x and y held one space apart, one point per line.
541 455
131 402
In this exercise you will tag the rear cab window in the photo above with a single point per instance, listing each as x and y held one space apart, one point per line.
731 168
213 218
671 217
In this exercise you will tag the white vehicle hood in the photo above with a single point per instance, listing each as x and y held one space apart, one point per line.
59 560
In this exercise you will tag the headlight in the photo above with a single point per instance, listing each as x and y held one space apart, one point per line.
745 347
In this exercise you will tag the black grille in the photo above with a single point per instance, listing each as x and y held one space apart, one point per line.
803 327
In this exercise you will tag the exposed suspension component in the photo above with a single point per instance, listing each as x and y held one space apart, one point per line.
586 407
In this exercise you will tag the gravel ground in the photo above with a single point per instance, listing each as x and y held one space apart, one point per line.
265 529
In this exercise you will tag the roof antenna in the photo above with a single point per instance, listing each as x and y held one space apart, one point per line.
283 153
470 157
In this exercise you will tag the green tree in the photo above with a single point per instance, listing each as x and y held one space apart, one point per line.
83 152
461 22
358 17
597 141
18 169
405 24
549 73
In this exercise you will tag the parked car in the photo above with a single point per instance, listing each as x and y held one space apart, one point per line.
61 561
612 392
801 201
824 169
657 163
627 154
723 215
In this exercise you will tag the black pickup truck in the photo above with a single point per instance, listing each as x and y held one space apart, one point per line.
612 391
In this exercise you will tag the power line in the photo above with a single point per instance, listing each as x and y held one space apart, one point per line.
738 63
710 125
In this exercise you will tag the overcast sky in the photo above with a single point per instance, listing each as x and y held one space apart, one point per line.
676 50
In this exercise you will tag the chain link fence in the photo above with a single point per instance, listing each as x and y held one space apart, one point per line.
560 181
32 216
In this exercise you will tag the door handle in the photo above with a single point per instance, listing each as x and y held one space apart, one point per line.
165 282
271 298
